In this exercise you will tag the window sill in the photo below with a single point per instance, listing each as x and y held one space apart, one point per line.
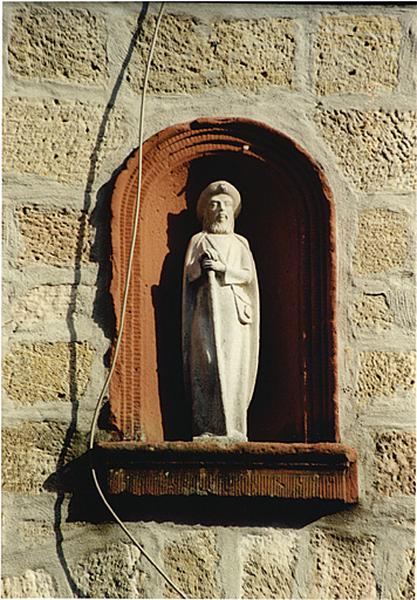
325 471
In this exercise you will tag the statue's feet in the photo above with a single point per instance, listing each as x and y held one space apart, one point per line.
237 436
208 437
234 436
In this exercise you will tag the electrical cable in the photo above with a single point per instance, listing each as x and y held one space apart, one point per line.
122 318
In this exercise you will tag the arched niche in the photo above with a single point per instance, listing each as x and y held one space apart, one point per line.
288 218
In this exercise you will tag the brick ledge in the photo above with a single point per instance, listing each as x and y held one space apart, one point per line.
326 471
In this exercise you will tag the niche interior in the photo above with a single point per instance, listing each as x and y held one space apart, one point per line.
294 449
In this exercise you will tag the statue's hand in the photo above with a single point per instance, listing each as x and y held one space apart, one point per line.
209 264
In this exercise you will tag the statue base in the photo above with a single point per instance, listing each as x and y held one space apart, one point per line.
326 471
220 439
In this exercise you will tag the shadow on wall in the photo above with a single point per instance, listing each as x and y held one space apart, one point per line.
102 314
192 510
176 416
85 505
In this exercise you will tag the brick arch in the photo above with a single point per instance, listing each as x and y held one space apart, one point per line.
288 218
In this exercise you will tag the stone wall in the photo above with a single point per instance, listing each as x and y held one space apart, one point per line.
338 79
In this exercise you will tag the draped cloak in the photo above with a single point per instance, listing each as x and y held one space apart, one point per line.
220 334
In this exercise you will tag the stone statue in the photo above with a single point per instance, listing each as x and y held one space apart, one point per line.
220 318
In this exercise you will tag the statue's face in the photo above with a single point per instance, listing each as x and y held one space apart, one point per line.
219 214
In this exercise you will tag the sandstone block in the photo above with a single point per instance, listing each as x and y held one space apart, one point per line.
371 312
406 588
55 237
27 537
268 565
47 371
395 463
403 304
383 241
376 149
343 567
251 54
385 373
181 58
191 57
58 140
192 563
62 44
32 584
31 534
357 54
31 451
114 572
45 303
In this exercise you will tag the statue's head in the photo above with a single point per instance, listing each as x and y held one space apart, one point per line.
218 206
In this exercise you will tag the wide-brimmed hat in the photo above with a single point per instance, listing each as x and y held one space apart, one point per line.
215 188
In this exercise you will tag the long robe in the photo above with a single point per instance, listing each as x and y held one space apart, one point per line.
220 334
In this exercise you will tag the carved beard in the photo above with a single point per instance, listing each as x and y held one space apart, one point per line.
218 227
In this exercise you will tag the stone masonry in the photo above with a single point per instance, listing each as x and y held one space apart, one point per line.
341 570
241 54
357 54
55 44
340 80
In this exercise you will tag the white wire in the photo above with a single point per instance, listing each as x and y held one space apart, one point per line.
123 314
